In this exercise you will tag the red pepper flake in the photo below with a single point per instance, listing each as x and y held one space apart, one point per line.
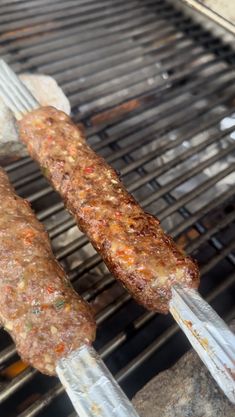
28 236
50 289
45 307
118 214
49 138
60 348
120 252
8 289
89 170
103 222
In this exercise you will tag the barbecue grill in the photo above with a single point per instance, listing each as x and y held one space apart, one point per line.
154 90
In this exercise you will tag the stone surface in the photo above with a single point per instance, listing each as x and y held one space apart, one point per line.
185 390
46 90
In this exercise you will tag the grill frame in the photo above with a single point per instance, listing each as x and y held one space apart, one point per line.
117 125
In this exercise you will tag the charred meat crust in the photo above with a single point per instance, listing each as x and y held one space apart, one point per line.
130 241
46 318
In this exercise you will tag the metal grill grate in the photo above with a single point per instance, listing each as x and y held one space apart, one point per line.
156 94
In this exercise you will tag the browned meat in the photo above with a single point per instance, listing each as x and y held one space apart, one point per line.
131 242
38 307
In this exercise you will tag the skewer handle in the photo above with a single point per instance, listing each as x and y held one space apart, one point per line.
91 387
208 334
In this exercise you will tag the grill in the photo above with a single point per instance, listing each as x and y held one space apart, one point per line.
155 92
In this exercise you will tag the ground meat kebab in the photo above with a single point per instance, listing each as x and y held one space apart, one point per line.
130 241
38 307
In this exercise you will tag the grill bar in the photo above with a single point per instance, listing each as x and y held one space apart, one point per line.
119 23
148 34
7 353
72 16
50 10
184 177
17 383
16 4
205 209
164 100
203 238
91 23
43 403
196 193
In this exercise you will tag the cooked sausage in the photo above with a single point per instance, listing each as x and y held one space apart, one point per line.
46 318
130 241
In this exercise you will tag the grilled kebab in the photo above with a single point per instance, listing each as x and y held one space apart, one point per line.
130 241
46 318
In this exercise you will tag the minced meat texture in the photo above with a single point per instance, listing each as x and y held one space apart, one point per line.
46 318
131 241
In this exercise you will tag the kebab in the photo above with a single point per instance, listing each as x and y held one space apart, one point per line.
131 242
52 326
39 308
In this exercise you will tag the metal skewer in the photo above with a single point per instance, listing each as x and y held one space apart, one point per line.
87 381
91 387
208 334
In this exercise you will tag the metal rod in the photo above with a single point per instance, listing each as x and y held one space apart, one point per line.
18 164
71 47
209 336
138 25
189 174
134 91
38 29
72 15
194 217
43 402
17 383
131 124
7 353
91 387
196 243
50 10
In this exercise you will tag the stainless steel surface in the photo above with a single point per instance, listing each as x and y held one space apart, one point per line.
165 86
208 334
222 11
91 387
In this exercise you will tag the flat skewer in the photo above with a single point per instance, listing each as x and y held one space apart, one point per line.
208 334
92 386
